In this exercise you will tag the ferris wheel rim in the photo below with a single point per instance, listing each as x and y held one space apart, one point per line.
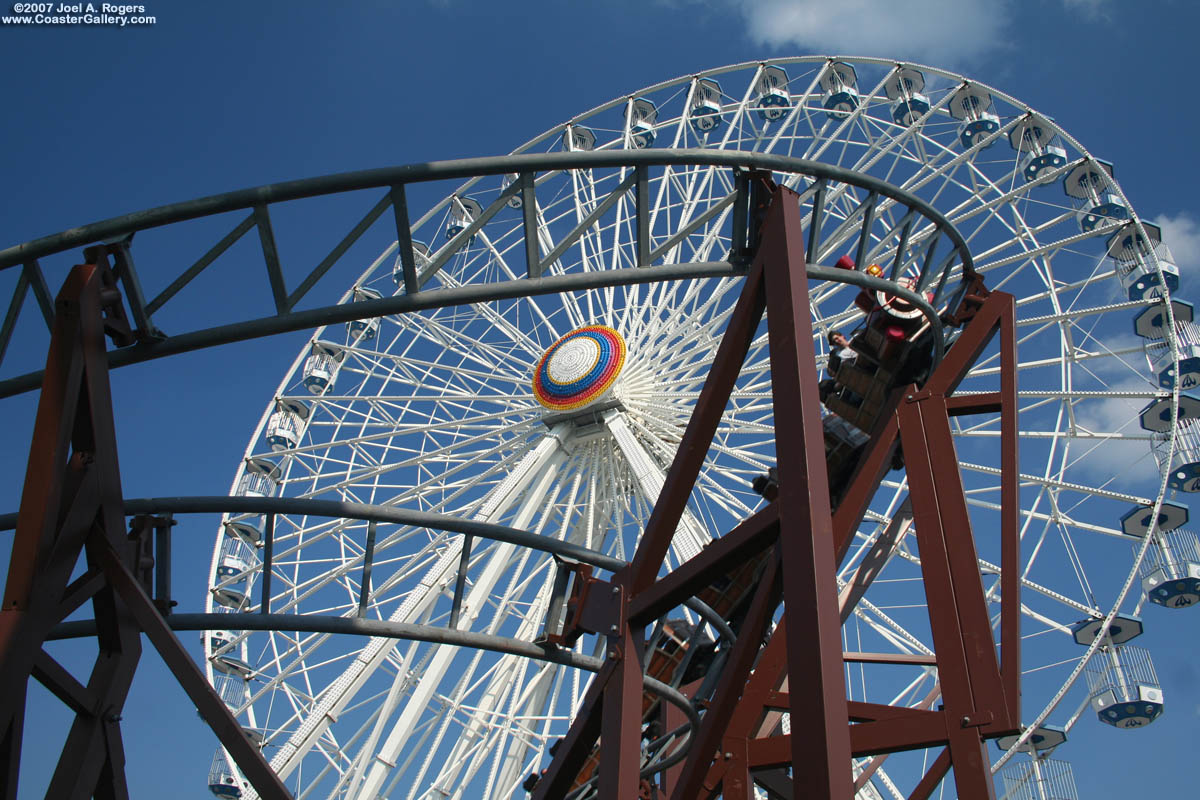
1162 489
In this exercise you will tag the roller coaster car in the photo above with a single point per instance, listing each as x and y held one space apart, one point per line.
892 348
888 353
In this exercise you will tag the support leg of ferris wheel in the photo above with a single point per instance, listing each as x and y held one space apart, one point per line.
72 506
439 665
688 541
691 537
343 690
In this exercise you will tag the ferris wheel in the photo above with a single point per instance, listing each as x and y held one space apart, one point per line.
559 414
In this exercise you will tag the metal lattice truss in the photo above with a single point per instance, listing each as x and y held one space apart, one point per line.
873 214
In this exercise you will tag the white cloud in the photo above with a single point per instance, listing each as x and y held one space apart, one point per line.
1098 459
1181 233
937 32
1091 9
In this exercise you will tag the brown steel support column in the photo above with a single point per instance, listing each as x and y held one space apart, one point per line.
574 748
930 780
820 737
208 704
72 486
612 707
10 743
72 501
1010 510
621 728
987 314
93 759
673 719
962 634
754 534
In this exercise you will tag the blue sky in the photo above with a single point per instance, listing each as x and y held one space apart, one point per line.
223 95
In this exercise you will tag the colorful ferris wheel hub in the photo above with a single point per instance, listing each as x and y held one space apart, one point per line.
579 368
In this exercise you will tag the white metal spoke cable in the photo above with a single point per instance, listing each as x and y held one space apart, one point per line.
436 411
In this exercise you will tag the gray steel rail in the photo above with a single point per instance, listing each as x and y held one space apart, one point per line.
286 318
387 177
337 509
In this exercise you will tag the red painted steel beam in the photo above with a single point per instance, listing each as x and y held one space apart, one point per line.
81 590
897 734
962 636
749 538
1010 511
92 760
575 747
210 706
975 337
72 502
771 752
72 485
859 711
995 313
62 684
907 732
776 782
695 779
986 403
937 771
769 677
673 719
621 721
872 766
888 658
697 437
814 644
